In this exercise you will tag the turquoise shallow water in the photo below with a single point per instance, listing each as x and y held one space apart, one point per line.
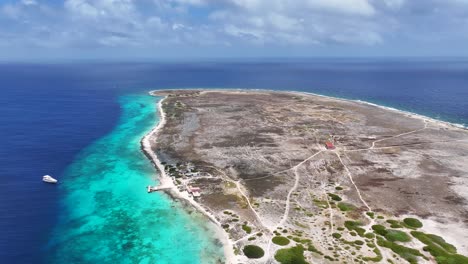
107 215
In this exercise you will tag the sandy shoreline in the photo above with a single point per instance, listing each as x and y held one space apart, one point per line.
167 181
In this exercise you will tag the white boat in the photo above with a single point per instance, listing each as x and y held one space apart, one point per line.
49 179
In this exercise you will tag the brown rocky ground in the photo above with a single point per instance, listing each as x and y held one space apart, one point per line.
263 167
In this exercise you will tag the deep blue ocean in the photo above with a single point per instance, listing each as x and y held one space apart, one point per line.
55 117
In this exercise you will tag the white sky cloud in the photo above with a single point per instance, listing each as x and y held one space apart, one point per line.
92 24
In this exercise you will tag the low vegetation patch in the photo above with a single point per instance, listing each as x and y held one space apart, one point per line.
377 258
394 224
280 240
412 222
253 252
359 242
293 255
334 197
397 235
391 235
301 240
379 229
247 228
336 235
370 214
346 207
409 254
355 226
320 203
312 248
443 252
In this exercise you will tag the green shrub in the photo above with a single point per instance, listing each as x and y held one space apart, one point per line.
253 252
412 222
334 197
355 226
377 258
293 255
397 235
346 207
443 252
394 224
379 229
370 214
305 241
320 203
359 242
338 188
301 240
311 248
409 254
336 235
280 240
452 259
247 228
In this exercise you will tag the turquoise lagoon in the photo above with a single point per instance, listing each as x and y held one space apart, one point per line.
107 215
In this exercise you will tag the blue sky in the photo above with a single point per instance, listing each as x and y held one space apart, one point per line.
152 29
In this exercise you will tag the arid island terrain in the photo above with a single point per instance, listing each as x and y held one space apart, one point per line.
300 178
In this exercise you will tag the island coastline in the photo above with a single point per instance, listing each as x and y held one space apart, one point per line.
175 193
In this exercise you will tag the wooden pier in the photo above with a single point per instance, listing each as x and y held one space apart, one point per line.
151 189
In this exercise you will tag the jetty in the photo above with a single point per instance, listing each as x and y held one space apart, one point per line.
151 189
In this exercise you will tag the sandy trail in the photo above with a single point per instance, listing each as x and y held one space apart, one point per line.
296 183
352 181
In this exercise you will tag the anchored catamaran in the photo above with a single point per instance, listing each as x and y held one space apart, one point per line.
48 179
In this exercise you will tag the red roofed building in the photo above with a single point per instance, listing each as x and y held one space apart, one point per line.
329 145
195 191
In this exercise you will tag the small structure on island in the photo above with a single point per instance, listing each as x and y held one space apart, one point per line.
151 189
195 191
329 145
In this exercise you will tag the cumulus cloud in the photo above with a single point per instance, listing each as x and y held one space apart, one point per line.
299 22
91 24
29 2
